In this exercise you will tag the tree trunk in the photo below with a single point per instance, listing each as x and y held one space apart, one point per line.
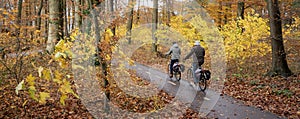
241 10
46 20
240 14
55 30
72 25
104 65
130 21
19 15
78 20
279 63
111 9
220 14
65 18
168 12
19 24
154 25
39 19
138 12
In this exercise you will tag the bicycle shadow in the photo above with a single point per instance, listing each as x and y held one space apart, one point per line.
183 91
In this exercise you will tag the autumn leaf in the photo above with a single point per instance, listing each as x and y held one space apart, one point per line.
30 79
40 69
62 99
19 87
32 91
46 74
43 97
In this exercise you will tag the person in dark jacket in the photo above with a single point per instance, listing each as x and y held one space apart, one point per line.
198 53
175 56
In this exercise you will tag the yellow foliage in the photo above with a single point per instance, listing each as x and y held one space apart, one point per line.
46 74
187 29
43 97
30 80
62 99
241 44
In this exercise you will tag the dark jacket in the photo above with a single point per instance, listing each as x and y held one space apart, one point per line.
198 53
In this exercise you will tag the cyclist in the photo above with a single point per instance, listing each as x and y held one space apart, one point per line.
175 55
198 53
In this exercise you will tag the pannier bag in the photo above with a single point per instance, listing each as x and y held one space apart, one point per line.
178 67
206 74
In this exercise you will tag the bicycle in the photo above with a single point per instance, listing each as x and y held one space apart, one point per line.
204 75
177 69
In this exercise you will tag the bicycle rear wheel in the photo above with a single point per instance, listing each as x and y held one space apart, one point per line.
202 83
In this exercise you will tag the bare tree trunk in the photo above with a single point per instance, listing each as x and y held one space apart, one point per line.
154 25
116 4
279 63
39 19
19 15
104 65
241 10
78 19
46 20
168 12
220 14
72 25
130 21
60 17
111 9
65 18
55 24
240 14
138 12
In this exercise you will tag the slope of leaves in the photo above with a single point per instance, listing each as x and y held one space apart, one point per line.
23 106
277 95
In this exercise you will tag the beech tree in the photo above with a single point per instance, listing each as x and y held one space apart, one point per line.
55 31
279 63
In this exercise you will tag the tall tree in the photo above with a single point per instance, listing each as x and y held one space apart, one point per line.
169 8
111 9
130 21
104 64
55 30
138 12
279 63
65 18
39 18
241 10
20 2
78 20
154 25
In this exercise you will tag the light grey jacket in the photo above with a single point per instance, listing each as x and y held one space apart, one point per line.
174 51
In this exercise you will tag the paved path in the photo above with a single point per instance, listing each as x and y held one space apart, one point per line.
210 102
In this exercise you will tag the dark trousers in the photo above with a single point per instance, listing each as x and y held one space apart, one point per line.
171 65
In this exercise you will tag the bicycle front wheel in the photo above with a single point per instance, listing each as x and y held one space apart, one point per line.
177 75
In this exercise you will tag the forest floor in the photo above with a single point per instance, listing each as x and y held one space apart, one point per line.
275 94
278 95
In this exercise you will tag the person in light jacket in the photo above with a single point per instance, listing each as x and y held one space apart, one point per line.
175 56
